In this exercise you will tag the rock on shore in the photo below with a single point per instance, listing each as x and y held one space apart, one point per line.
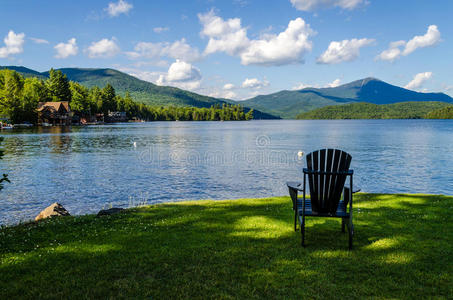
54 210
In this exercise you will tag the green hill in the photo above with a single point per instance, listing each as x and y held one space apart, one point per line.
289 104
140 90
363 110
26 72
441 113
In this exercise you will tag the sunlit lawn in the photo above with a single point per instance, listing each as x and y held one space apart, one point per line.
403 248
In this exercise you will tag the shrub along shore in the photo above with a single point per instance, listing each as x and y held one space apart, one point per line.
243 248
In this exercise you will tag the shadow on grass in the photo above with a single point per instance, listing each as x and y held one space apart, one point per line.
231 249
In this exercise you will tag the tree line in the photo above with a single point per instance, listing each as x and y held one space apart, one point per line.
363 110
19 98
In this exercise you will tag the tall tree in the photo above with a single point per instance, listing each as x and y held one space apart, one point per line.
108 98
58 85
11 88
35 91
80 98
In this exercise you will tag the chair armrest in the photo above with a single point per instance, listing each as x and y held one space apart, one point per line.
295 186
354 191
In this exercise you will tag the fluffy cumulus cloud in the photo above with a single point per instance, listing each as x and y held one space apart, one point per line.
346 50
65 50
254 83
103 48
14 44
403 48
224 35
228 86
418 80
117 8
177 50
181 74
285 48
310 5
229 36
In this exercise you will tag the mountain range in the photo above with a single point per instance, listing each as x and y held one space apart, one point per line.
284 104
289 104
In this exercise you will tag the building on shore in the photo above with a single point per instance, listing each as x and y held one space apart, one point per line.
54 113
116 116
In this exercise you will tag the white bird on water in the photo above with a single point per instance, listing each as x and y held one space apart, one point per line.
300 154
135 144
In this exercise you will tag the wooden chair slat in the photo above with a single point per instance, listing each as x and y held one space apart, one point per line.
322 167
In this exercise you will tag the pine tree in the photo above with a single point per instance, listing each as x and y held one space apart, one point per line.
58 86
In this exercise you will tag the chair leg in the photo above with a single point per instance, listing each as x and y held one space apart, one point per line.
351 233
342 225
302 230
295 220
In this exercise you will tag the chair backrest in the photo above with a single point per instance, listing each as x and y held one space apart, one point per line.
327 182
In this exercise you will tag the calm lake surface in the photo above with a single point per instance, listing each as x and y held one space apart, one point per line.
88 168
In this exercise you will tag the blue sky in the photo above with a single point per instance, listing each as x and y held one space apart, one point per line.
238 48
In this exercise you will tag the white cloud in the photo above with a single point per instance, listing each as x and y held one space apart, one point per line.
418 80
403 48
160 29
430 38
228 86
310 5
346 50
223 94
143 75
103 49
288 47
334 83
393 52
224 36
300 86
14 44
254 83
229 36
181 74
66 50
120 7
39 41
177 50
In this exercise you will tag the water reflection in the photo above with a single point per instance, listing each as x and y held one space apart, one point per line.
86 167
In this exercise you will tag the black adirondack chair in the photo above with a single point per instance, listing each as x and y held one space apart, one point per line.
327 171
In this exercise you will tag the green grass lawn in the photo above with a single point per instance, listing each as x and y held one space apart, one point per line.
403 248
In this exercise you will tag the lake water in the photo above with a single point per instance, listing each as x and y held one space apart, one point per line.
88 168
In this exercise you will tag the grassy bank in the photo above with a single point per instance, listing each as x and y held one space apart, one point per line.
235 249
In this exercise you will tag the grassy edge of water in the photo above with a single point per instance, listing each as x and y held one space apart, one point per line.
243 248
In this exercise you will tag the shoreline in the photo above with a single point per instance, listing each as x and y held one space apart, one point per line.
200 201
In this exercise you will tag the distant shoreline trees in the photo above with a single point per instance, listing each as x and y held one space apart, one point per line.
363 110
19 98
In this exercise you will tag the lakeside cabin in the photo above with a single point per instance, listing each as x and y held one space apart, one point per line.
54 113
